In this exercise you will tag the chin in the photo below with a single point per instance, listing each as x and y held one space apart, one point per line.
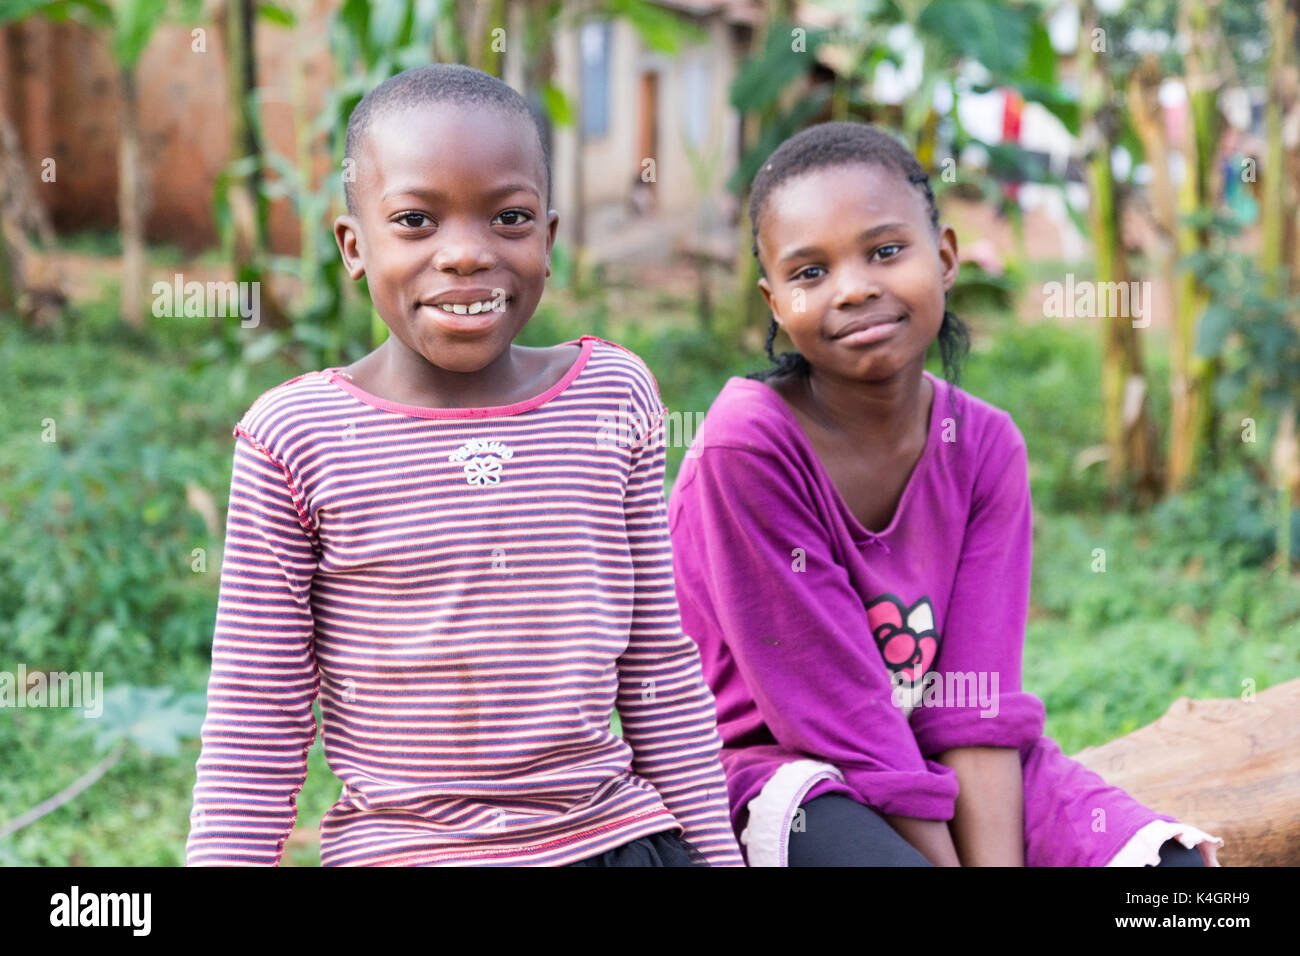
466 353
464 357
876 370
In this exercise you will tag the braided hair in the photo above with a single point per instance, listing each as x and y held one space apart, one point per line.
840 144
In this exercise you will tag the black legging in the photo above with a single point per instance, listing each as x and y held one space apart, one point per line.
838 831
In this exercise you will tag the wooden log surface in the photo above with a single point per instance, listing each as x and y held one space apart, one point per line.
1229 767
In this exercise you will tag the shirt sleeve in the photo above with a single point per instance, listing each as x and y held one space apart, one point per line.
667 712
984 635
756 569
259 724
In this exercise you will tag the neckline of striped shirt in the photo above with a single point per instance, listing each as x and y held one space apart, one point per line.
336 376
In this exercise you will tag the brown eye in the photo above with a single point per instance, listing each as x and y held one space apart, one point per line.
521 215
404 217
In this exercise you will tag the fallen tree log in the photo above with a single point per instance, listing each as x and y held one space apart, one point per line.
1230 767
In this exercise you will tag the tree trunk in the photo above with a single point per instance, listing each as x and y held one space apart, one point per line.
485 16
309 222
1285 455
1281 211
1281 27
10 265
452 43
1202 136
241 80
30 284
753 316
131 203
1200 25
1130 433
1230 767
1191 377
249 207
578 174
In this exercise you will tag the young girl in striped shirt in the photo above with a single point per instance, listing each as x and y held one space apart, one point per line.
450 547
852 537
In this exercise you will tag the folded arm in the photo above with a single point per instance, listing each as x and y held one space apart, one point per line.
981 735
665 708
755 572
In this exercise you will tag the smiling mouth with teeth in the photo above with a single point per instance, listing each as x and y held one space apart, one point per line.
473 308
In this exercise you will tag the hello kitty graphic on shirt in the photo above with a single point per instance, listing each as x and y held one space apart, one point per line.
908 642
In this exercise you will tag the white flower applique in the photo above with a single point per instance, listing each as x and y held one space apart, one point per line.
482 460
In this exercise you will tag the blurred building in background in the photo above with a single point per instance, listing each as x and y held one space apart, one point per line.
640 174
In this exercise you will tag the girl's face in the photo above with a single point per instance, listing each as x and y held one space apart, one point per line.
451 211
855 275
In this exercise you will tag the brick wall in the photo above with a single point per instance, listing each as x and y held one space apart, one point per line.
58 85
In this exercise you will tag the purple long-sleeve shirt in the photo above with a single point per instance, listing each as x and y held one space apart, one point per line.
875 652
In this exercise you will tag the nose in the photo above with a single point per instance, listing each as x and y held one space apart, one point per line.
857 284
461 249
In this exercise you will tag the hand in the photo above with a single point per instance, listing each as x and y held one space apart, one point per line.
988 823
930 838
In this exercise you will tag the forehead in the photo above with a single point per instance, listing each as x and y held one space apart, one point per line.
808 205
458 149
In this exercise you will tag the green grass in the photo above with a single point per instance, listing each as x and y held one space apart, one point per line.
1109 651
95 567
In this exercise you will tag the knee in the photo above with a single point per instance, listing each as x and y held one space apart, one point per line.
1173 853
838 831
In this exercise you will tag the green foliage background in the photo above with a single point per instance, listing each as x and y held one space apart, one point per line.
101 527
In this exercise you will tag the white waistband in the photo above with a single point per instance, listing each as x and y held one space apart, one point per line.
766 836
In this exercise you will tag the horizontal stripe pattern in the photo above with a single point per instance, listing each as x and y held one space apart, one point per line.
468 598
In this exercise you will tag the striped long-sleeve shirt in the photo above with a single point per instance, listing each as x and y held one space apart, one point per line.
469 592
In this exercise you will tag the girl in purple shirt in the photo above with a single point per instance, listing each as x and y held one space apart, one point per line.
852 539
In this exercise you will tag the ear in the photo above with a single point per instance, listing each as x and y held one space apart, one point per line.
347 233
948 256
765 287
552 223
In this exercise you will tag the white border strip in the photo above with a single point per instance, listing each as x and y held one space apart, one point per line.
766 836
1144 848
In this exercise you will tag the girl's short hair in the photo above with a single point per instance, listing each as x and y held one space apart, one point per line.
442 83
842 144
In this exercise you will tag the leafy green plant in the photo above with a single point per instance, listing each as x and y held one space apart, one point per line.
112 490
154 719
1254 329
762 86
96 564
1250 323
